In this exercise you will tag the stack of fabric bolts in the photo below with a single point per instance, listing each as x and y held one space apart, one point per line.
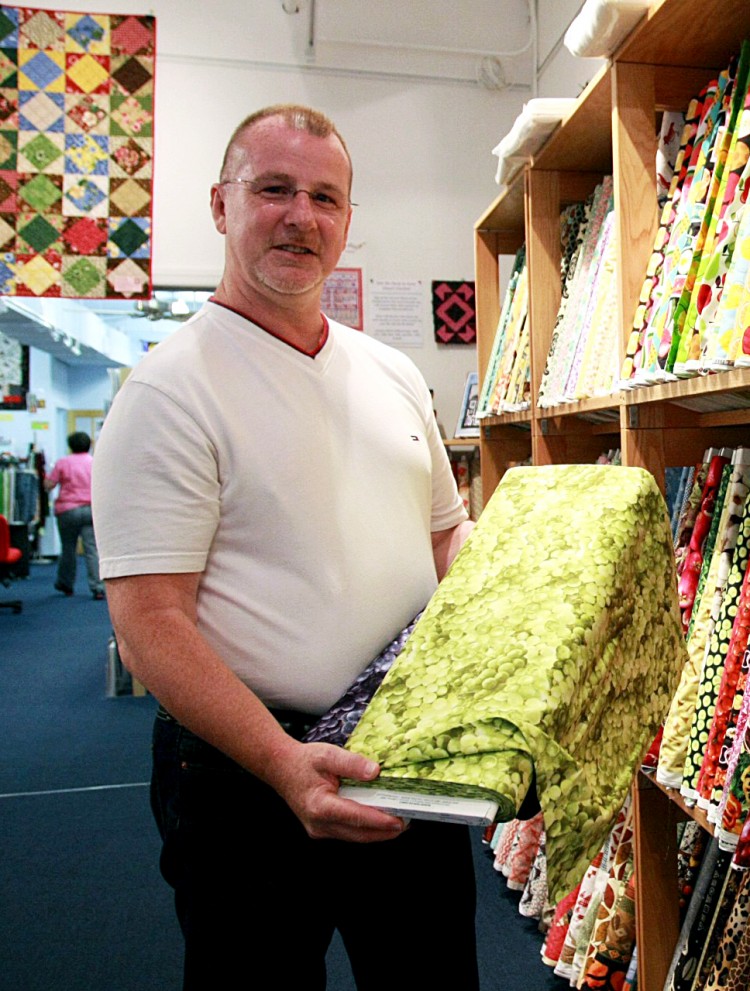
693 312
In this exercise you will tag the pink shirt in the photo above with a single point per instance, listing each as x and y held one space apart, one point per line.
73 474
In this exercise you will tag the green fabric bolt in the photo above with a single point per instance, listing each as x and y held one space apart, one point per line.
554 644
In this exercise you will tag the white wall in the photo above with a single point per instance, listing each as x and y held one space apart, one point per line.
561 73
422 151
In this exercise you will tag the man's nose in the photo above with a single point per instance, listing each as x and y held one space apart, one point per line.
301 208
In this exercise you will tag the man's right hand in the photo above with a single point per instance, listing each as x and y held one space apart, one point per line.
307 776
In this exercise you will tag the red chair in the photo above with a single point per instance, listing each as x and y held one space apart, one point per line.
9 556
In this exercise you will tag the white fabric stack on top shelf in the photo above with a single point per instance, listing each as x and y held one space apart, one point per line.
602 25
532 127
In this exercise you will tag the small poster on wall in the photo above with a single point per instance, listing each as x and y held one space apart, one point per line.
468 425
397 311
454 312
342 297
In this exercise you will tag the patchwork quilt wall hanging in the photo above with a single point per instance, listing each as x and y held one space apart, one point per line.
76 153
454 312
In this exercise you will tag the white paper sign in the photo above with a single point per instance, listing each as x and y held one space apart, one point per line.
397 312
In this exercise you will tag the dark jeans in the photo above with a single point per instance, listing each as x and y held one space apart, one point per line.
258 900
72 524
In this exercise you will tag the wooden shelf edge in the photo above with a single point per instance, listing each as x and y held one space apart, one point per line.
731 380
522 418
690 811
461 442
588 126
581 407
506 213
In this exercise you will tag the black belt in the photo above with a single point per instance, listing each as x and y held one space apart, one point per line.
296 724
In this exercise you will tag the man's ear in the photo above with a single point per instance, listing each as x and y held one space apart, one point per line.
218 211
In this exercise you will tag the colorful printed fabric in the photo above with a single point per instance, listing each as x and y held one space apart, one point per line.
534 897
574 224
610 963
590 893
715 279
76 153
696 929
706 186
598 296
689 515
620 868
730 970
680 717
642 350
741 855
730 343
517 862
720 733
689 855
554 642
553 941
648 349
498 345
597 371
735 800
702 539
681 497
708 265
512 342
721 776
631 976
712 939
730 559
667 152
576 318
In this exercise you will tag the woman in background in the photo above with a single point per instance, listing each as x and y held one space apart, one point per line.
73 511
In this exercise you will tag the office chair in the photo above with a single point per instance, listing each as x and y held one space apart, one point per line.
9 556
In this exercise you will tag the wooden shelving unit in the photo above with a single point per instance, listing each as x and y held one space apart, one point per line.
613 129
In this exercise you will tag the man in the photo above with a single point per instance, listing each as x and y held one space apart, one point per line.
273 504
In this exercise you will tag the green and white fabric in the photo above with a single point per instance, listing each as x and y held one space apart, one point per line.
553 645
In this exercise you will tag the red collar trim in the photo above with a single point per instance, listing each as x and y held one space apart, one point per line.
310 354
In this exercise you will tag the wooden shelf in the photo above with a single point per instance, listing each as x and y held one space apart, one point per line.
599 409
676 48
731 388
688 811
693 33
522 418
504 220
462 442
583 137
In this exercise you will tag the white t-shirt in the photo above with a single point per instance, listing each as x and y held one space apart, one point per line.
304 489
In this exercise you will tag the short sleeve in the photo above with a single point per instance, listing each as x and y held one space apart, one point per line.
447 505
155 487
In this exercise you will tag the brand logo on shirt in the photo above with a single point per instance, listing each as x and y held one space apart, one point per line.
414 437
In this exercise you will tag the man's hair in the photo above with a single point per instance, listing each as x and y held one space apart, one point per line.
79 442
294 115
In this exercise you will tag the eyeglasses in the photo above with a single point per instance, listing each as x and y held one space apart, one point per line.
282 194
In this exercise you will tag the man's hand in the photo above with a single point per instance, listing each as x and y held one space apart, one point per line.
307 777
